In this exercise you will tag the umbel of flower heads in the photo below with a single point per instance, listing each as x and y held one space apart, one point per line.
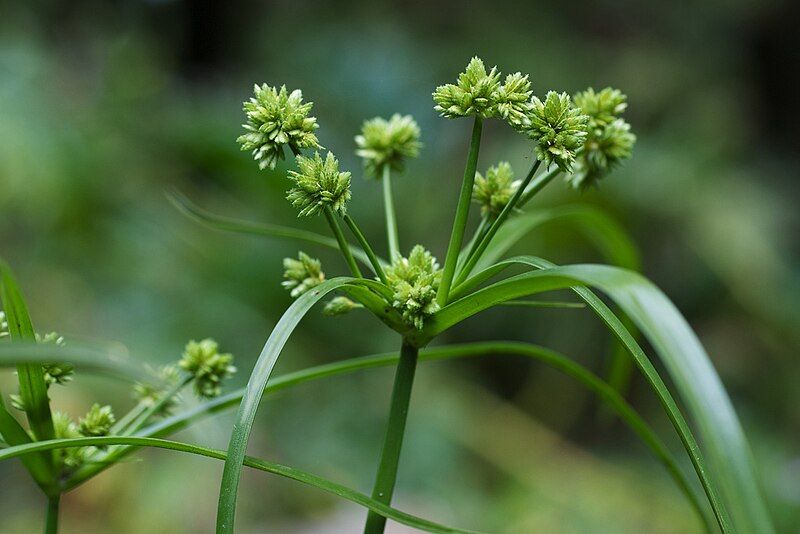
387 143
609 139
277 119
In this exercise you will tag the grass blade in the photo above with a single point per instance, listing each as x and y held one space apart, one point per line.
684 357
32 387
549 357
254 463
85 357
229 224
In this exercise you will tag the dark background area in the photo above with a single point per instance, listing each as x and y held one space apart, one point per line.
105 105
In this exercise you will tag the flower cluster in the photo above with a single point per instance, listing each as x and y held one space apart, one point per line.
3 324
559 129
302 274
385 143
207 366
493 191
150 395
480 93
54 373
276 118
65 428
414 282
97 421
319 184
609 139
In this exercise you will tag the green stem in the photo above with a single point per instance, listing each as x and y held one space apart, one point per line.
391 221
51 520
393 441
473 244
498 222
538 185
376 265
462 213
343 245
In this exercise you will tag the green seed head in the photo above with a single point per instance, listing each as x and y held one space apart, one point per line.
414 282
317 184
65 428
55 373
513 100
383 143
277 118
340 306
302 274
558 128
609 139
97 421
473 94
208 367
493 191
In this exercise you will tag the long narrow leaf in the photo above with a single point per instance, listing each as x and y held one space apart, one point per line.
255 387
32 387
547 356
229 224
685 359
255 463
85 357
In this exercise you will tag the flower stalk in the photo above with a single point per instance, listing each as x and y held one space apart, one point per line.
462 213
344 247
373 260
391 221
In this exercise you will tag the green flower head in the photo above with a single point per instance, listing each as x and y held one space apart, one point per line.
97 421
513 100
473 94
602 107
317 184
558 128
605 148
276 118
340 306
302 274
383 143
208 367
55 373
414 282
494 190
65 428
150 394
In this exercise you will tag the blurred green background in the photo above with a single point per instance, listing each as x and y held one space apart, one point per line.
104 105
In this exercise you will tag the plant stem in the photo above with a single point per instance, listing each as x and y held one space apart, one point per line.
538 185
51 520
484 242
343 246
376 265
473 243
462 213
393 441
391 221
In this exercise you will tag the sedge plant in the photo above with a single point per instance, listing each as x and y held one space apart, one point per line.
576 140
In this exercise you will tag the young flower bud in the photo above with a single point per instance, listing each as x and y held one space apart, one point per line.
318 183
340 306
558 128
383 143
474 93
97 421
274 119
495 190
414 282
209 368
302 274
65 428
514 100
609 139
